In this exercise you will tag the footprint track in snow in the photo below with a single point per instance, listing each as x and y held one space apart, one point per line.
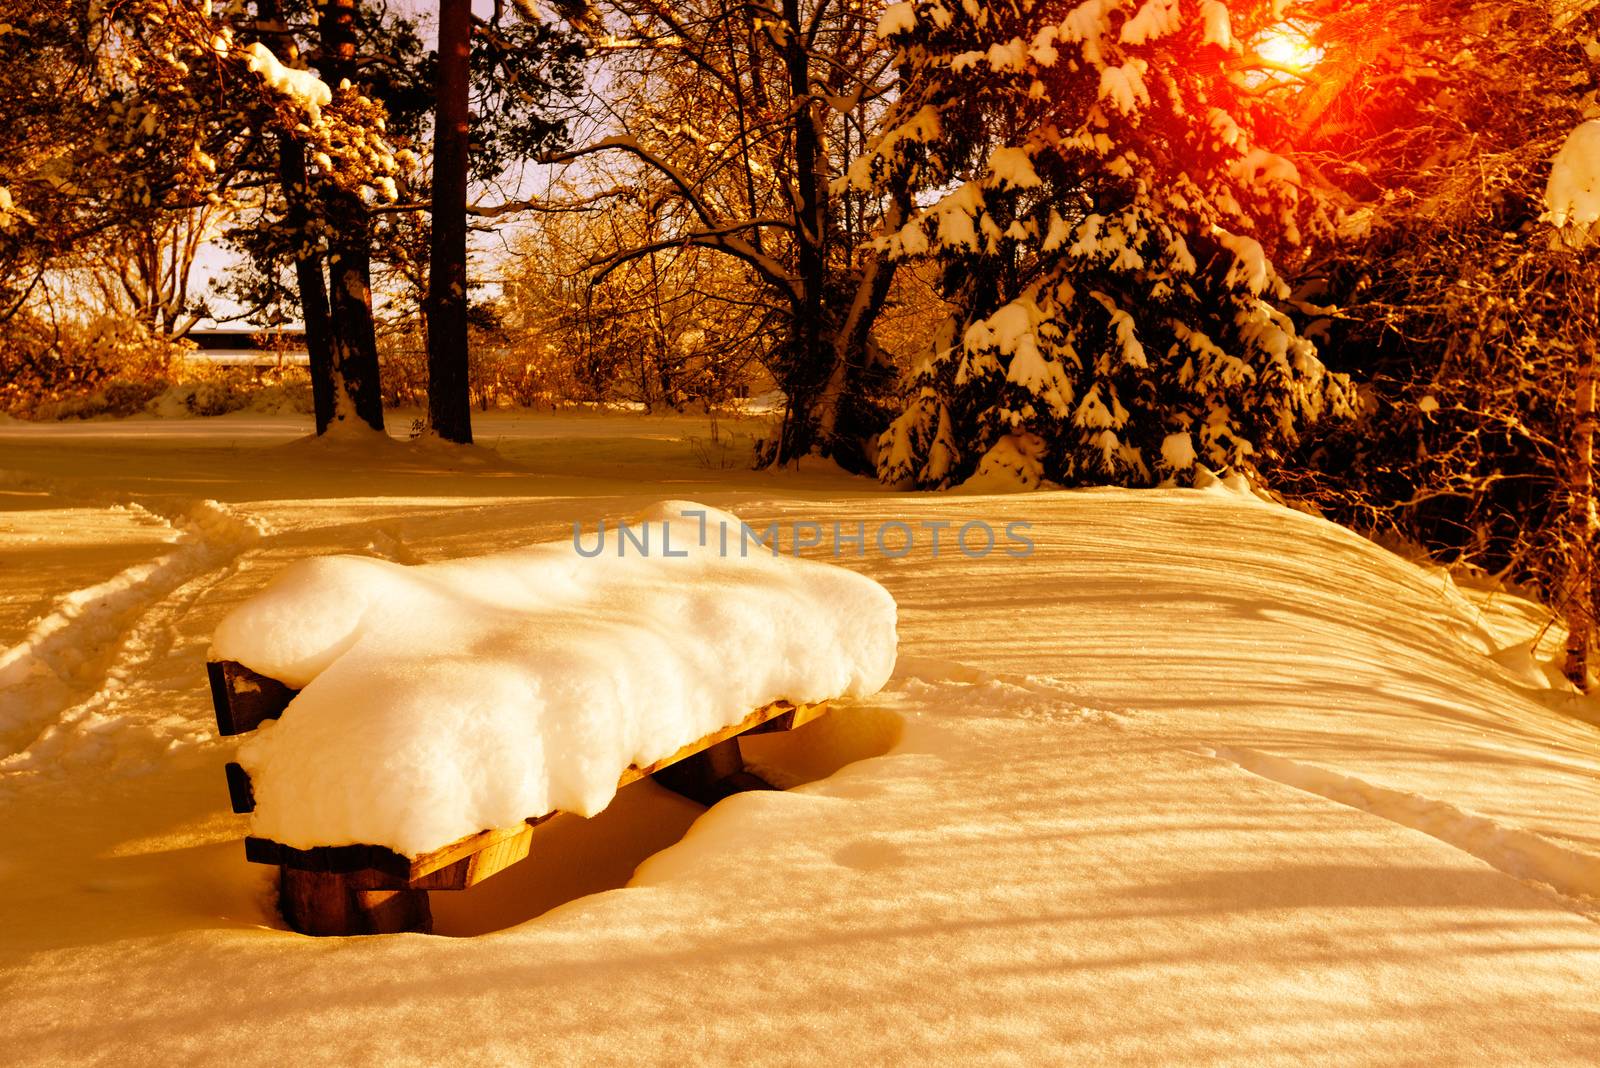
64 679
1572 873
1040 699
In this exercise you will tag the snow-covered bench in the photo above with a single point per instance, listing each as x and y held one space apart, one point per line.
367 889
410 726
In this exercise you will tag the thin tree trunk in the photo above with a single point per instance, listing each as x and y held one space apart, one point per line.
309 278
853 350
809 362
1580 606
449 393
308 265
741 114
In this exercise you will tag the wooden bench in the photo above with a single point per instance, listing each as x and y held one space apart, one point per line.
366 889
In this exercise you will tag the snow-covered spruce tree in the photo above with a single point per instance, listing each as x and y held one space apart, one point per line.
1106 228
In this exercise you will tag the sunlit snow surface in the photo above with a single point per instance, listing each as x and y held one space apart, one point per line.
1201 781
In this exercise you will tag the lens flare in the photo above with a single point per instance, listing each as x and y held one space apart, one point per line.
1289 48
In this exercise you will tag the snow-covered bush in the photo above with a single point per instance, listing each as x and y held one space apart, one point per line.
205 391
1107 218
1448 300
48 367
111 365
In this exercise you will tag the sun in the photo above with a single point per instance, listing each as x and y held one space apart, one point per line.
1289 48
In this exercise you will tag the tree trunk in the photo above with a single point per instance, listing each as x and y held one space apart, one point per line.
449 393
308 277
354 336
308 265
809 361
849 411
1582 520
354 340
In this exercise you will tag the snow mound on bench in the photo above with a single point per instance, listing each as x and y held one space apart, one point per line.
443 699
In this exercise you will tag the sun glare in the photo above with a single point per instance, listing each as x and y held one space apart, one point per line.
1289 48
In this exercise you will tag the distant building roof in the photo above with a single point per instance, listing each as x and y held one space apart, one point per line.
254 347
241 340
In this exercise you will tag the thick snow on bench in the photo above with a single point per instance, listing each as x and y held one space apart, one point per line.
448 698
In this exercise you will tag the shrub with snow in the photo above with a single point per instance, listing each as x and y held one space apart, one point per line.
61 367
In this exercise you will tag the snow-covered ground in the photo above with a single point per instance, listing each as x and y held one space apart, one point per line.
1200 780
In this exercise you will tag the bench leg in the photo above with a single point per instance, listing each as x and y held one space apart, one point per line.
323 903
711 774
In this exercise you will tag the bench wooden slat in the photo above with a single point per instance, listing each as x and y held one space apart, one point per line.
755 723
456 866
241 794
244 699
797 716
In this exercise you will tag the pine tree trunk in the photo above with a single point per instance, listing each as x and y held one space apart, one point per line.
449 393
1580 605
354 338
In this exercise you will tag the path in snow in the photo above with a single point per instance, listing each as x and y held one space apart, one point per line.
68 677
1219 621
1519 853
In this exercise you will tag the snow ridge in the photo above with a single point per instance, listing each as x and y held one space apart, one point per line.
1520 853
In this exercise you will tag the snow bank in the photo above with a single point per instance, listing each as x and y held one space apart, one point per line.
447 698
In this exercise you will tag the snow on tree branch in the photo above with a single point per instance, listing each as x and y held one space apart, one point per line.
1572 196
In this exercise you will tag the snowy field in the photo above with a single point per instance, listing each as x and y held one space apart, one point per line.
1200 780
